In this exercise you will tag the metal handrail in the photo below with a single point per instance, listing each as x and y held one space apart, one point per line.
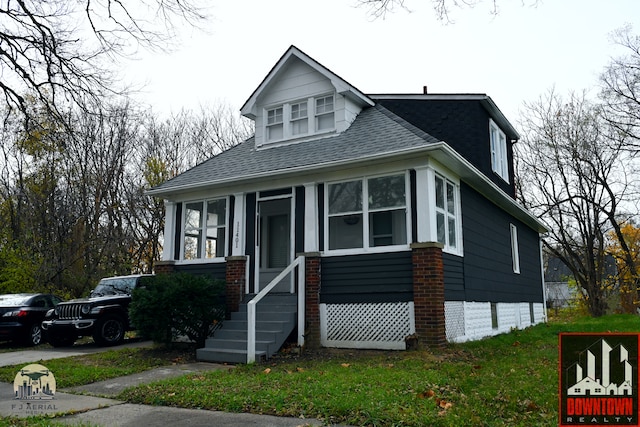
251 306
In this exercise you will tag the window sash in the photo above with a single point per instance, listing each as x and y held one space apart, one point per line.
515 253
447 222
205 229
499 160
378 222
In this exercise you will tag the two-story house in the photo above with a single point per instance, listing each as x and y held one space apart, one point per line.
386 216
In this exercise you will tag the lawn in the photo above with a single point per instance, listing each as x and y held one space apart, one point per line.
507 380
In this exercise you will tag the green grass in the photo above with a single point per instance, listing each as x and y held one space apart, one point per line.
507 380
86 369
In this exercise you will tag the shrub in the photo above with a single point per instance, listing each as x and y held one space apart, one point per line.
170 306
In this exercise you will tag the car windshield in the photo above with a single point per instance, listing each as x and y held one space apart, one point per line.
115 286
14 300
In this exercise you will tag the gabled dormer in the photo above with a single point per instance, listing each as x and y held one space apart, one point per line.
302 100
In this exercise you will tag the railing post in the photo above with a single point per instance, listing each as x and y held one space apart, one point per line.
251 332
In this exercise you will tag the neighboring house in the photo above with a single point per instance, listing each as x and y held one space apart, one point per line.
400 210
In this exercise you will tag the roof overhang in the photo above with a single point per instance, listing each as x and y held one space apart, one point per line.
440 151
342 87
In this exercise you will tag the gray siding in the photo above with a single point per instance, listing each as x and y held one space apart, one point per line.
367 278
453 277
488 268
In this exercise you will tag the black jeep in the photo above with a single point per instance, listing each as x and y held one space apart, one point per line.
104 315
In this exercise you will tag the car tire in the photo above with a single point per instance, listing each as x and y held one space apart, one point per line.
109 331
56 341
34 335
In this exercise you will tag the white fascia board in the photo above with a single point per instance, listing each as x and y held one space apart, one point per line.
440 151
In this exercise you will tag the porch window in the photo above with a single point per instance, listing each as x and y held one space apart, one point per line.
367 213
447 223
204 229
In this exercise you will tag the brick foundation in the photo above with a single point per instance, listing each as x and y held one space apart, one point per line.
428 294
312 300
164 267
236 275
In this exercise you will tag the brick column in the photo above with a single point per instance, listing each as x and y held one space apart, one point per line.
428 294
236 275
312 299
164 267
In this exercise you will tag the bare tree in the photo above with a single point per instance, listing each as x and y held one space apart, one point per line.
57 52
442 8
621 88
577 180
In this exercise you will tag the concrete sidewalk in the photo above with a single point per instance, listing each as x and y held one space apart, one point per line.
95 404
24 357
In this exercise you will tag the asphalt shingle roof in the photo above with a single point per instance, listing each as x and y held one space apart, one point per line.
375 131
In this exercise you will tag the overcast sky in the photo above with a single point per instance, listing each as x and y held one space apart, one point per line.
513 57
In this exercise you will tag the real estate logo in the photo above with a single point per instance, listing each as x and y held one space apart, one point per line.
599 379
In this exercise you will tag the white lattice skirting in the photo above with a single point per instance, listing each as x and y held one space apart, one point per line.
467 321
381 326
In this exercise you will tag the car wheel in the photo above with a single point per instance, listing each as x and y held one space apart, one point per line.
109 331
61 341
34 335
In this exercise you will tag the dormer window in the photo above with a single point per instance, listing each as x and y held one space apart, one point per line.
499 161
275 127
325 119
299 118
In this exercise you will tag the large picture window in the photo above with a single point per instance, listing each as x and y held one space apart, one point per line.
367 213
447 213
204 229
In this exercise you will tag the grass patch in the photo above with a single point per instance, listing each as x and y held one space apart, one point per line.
508 380
90 368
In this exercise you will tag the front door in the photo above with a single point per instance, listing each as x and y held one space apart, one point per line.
274 242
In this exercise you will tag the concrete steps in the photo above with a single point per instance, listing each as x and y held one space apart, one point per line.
275 320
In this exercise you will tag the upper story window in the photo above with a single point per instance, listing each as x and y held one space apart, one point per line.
325 119
275 126
204 229
447 213
367 213
300 118
499 160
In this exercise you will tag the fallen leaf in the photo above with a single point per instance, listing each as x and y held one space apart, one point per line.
266 371
516 344
345 365
299 369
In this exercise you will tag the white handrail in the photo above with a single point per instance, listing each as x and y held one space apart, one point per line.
251 307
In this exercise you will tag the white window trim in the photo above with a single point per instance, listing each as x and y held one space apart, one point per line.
287 121
499 156
203 227
366 248
515 251
458 250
